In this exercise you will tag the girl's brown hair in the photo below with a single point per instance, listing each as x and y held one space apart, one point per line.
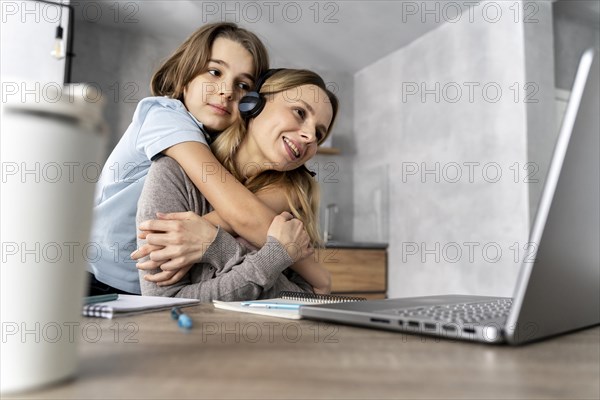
300 188
191 58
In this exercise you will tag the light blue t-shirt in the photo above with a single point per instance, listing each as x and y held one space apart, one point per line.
158 123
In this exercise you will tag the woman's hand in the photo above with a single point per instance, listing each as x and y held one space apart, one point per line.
291 234
174 241
321 290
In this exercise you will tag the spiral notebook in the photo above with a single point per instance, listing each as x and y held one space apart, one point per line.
287 305
131 304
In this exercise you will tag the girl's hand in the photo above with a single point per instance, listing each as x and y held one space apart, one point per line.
174 241
144 251
166 278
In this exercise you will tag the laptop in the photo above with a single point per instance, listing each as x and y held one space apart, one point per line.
558 288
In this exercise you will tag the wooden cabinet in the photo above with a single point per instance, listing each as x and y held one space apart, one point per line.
356 272
331 151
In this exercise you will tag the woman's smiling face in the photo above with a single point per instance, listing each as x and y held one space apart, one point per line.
286 133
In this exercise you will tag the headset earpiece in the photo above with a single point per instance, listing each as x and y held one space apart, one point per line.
251 105
253 102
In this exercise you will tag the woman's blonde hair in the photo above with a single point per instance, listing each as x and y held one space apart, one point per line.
191 58
300 188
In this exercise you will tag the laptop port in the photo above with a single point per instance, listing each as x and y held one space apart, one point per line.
400 322
429 326
413 324
449 328
380 320
469 330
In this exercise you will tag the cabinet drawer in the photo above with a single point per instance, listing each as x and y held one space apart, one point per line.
355 270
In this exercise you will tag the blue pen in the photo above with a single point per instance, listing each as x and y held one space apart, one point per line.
183 320
280 306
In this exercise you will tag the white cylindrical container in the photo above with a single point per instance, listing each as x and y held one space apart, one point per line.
51 145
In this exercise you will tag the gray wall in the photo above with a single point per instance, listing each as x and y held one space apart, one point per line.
538 96
335 172
28 35
574 32
562 32
436 219
120 64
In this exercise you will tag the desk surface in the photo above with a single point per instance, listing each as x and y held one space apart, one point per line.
236 355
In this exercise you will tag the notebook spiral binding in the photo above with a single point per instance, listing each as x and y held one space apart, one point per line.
94 310
317 298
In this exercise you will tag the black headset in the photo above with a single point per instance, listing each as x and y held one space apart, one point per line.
253 102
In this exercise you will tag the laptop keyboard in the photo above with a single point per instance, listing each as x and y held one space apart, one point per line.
463 313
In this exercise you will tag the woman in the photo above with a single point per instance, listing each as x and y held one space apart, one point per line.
267 153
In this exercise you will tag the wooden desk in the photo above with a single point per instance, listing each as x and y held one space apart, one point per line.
235 355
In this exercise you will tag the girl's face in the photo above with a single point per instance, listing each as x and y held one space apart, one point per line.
285 134
212 96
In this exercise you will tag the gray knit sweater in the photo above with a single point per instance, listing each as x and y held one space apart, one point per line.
228 271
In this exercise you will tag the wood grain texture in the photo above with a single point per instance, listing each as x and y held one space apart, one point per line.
355 270
244 356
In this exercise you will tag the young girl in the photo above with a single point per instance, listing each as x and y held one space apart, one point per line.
298 114
198 89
